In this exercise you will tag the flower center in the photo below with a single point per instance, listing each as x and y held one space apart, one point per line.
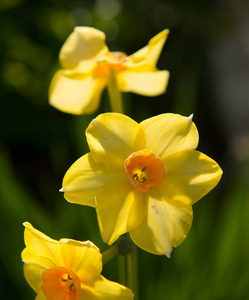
115 61
61 283
145 169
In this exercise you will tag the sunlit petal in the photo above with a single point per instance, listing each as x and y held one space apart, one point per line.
33 275
152 51
169 133
82 48
75 93
119 210
39 244
143 83
190 175
78 255
165 226
30 258
112 138
84 179
103 289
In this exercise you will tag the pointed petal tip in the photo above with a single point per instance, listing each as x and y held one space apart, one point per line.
94 122
164 33
26 223
62 190
191 117
167 31
167 253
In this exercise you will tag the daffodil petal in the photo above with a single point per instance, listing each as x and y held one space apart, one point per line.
169 133
190 175
152 51
101 288
143 83
78 255
165 226
39 244
74 93
29 258
112 137
40 296
82 48
120 208
33 275
84 179
106 289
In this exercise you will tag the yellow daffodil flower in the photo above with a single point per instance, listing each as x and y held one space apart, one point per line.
66 269
142 178
89 66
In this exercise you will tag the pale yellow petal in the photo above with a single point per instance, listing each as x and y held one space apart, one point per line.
143 83
41 245
98 287
107 290
152 51
165 226
74 93
44 262
33 275
112 137
78 255
189 176
84 179
169 133
82 48
40 296
120 208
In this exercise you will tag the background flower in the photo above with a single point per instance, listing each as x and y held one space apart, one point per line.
144 178
66 269
88 66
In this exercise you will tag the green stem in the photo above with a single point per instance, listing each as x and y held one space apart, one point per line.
109 254
122 270
126 251
132 272
114 93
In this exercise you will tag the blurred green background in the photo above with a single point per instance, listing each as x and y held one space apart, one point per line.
207 54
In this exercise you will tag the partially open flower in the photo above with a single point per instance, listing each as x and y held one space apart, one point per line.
88 64
66 269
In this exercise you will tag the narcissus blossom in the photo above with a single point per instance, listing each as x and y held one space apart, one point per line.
88 67
66 269
142 178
